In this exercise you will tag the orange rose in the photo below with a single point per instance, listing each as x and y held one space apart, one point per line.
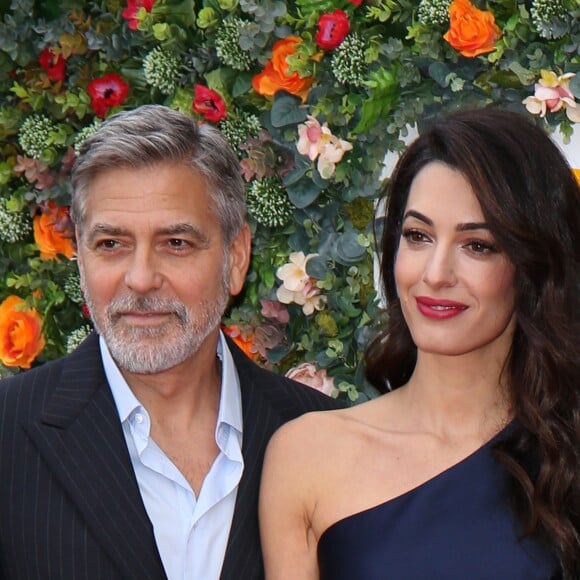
275 76
471 31
50 233
21 338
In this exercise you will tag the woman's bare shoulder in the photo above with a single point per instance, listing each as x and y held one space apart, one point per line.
317 435
303 432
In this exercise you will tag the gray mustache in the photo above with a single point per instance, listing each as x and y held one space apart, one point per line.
147 304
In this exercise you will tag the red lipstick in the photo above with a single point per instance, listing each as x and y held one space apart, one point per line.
438 308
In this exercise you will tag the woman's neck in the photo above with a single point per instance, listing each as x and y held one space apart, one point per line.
455 396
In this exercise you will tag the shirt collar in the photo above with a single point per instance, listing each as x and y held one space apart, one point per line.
230 409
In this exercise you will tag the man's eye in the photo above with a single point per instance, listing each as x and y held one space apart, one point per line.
107 244
178 244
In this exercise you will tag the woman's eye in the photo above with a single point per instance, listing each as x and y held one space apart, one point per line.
415 236
478 247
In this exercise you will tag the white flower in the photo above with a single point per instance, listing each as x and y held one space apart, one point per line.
317 141
553 93
297 286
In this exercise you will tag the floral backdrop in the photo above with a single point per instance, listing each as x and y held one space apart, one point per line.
311 94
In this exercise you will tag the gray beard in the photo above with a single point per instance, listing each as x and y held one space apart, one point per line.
155 349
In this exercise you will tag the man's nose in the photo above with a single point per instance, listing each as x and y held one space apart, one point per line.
143 273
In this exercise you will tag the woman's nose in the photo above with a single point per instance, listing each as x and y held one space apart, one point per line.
440 268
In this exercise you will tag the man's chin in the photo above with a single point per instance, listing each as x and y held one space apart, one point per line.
147 359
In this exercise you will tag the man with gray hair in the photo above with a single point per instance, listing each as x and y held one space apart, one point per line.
139 454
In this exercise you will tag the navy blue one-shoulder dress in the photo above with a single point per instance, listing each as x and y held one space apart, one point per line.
456 526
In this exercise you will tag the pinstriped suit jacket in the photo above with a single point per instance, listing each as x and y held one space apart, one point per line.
70 507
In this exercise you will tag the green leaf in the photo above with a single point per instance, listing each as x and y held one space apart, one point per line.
348 250
286 110
317 267
242 84
439 72
303 193
525 76
19 91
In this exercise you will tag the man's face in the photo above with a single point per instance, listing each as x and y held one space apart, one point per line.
153 266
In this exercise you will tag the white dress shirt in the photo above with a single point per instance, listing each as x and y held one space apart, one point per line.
191 532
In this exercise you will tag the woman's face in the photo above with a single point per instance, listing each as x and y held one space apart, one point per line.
456 286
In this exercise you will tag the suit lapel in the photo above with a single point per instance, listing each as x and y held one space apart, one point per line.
243 558
80 437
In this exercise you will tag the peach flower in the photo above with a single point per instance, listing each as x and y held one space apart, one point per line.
276 75
317 141
308 374
297 286
471 31
21 338
51 232
552 93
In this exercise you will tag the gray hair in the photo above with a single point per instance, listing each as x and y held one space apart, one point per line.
153 134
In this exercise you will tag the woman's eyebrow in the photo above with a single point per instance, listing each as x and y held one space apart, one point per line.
465 227
419 216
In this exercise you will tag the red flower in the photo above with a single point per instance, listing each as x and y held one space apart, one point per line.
133 6
332 29
107 91
357 3
209 104
85 310
54 66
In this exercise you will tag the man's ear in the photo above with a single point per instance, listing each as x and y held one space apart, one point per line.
79 258
240 254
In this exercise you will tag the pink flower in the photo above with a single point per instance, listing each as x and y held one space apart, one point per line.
209 104
131 11
267 337
332 29
106 92
552 93
297 286
35 171
274 310
309 137
53 65
317 141
308 374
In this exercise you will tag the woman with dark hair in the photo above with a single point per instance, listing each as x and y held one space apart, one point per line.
469 466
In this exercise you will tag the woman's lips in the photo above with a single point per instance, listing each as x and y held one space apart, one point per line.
439 309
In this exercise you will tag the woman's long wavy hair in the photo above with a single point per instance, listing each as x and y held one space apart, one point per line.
531 202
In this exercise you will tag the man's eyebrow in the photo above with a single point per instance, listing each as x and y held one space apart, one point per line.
105 230
468 226
188 229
